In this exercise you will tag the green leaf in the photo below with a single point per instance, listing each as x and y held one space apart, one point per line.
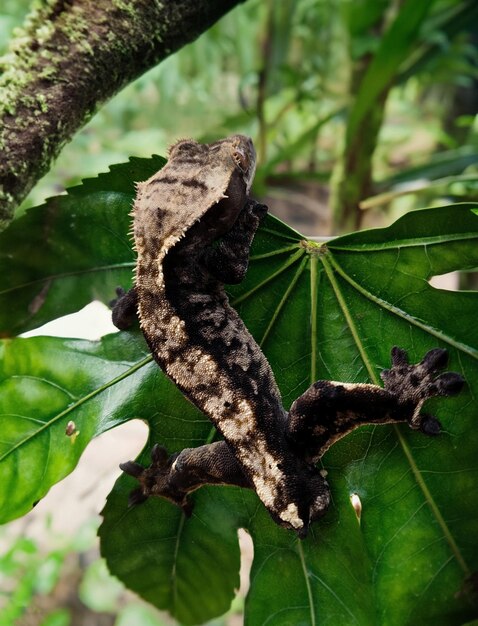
190 568
73 249
437 166
395 45
319 311
44 383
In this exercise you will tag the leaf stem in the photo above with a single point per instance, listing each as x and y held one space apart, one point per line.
266 255
431 503
307 582
314 285
292 236
348 317
283 300
174 577
290 261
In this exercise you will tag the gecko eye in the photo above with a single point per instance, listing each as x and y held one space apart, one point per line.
241 159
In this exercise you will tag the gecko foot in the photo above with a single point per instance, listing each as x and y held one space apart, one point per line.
413 384
156 480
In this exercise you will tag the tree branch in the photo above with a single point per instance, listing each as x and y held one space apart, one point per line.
70 57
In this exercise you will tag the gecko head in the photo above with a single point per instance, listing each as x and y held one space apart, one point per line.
188 147
238 148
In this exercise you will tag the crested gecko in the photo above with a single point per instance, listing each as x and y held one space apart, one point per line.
194 222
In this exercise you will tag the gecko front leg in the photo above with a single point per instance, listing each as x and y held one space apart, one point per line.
329 410
228 261
413 384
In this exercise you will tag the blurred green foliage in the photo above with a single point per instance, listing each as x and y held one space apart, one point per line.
286 72
28 570
31 571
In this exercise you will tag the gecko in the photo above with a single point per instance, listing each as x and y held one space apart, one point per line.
193 224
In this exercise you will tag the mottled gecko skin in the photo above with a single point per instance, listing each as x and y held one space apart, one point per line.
193 226
196 337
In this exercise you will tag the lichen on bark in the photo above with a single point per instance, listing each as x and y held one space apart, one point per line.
68 58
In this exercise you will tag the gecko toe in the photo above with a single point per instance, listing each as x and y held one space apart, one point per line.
430 425
435 359
417 383
120 292
159 455
132 468
399 356
449 384
136 497
260 210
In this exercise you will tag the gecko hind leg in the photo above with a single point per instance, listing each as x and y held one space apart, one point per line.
177 475
328 410
154 480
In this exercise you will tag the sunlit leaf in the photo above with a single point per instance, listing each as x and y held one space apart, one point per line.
45 382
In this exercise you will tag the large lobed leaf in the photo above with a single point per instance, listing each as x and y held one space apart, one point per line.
71 250
319 311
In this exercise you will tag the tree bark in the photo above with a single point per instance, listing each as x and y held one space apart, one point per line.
70 57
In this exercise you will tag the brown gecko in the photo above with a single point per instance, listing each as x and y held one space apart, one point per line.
194 223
